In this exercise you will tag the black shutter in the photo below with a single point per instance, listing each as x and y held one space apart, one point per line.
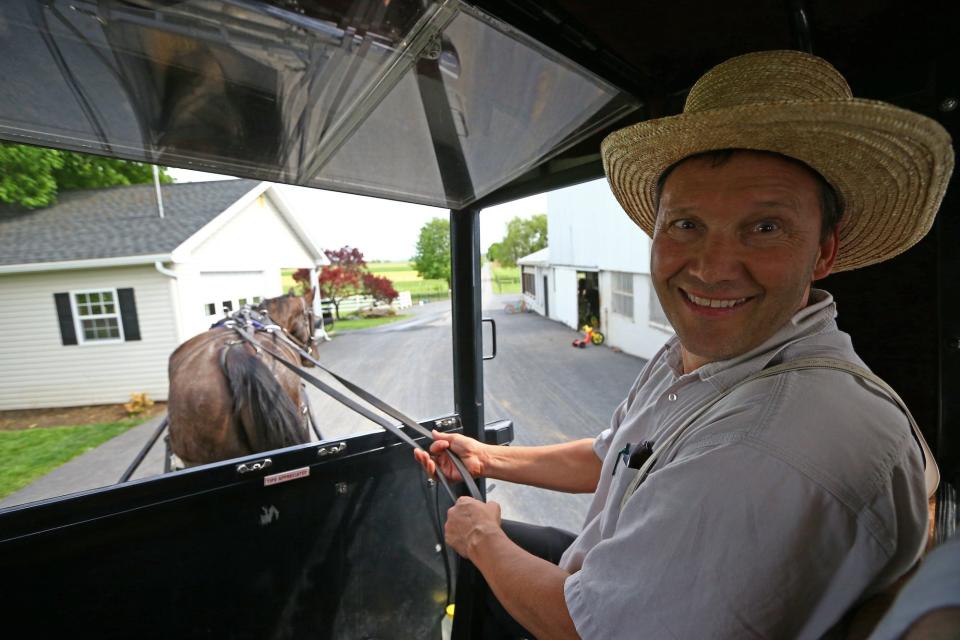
128 314
68 333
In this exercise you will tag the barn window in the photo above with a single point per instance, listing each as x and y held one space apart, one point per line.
622 298
529 283
97 316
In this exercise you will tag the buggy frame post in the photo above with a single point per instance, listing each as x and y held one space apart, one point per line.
143 452
468 382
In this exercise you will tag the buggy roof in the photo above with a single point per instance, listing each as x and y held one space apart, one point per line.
442 103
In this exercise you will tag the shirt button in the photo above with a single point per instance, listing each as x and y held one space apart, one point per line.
672 397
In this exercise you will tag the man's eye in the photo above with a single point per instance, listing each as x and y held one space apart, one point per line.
767 227
683 225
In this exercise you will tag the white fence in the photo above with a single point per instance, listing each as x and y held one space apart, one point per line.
358 303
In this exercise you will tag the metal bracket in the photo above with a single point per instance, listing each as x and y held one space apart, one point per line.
258 465
443 423
323 452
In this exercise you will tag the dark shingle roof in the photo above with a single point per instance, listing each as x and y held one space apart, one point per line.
114 222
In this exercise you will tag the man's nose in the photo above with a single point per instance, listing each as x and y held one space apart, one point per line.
718 258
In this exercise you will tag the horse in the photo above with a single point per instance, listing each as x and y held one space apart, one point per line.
229 399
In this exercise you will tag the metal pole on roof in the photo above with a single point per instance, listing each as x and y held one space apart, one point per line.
156 186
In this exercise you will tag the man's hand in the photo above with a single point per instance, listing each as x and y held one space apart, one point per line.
471 452
468 522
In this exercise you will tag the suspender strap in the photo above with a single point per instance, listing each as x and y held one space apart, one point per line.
930 471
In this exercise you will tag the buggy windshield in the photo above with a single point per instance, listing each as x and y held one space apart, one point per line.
393 99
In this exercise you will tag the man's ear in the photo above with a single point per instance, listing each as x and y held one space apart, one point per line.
828 255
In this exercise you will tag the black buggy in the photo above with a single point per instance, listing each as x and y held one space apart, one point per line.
456 104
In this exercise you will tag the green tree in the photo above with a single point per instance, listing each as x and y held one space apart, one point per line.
524 236
493 252
31 177
433 250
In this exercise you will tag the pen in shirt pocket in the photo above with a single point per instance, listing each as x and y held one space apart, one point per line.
633 456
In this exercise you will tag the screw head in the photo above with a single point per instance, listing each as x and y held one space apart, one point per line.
949 104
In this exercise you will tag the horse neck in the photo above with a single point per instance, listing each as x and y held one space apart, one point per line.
281 313
286 311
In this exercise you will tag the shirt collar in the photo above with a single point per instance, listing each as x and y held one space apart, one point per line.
723 374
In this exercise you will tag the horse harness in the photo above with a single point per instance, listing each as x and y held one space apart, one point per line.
247 321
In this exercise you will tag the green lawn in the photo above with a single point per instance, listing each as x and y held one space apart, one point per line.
28 454
506 279
364 323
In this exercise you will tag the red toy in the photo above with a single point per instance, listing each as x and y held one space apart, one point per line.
590 335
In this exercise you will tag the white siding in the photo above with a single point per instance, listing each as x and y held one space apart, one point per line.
258 236
537 302
587 228
36 370
242 259
636 335
563 302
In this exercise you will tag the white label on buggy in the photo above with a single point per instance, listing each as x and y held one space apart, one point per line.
286 476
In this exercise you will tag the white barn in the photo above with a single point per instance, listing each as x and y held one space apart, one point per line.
597 267
98 290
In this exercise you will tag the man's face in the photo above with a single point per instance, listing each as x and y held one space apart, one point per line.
735 249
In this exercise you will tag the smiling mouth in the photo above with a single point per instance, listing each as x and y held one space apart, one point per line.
714 303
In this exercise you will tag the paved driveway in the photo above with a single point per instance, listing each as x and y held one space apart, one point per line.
553 393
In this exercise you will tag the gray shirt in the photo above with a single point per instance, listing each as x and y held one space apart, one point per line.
773 514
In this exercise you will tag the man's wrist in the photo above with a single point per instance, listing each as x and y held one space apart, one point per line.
482 541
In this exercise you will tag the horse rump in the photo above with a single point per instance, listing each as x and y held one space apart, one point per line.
269 418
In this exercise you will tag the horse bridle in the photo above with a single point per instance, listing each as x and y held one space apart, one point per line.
309 317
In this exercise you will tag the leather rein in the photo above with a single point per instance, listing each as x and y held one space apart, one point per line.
246 322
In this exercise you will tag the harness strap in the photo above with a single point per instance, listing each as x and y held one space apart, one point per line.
930 471
365 412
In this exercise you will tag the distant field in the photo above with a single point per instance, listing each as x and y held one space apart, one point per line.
505 279
384 267
286 276
403 276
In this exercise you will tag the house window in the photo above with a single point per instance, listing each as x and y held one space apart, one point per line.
227 306
97 316
657 316
529 283
622 298
210 309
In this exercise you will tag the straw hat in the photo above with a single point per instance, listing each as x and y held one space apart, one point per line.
889 166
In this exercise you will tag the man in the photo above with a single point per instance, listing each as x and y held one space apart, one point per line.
771 505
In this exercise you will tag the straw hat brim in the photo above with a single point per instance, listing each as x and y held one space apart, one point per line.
889 166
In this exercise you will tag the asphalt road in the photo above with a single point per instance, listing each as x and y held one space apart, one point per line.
552 392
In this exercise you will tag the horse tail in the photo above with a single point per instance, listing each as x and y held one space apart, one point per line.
266 413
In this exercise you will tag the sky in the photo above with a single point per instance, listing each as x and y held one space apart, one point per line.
381 229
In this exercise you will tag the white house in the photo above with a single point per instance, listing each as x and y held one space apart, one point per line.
98 290
597 268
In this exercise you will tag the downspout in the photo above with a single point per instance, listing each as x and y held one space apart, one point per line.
158 265
175 296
